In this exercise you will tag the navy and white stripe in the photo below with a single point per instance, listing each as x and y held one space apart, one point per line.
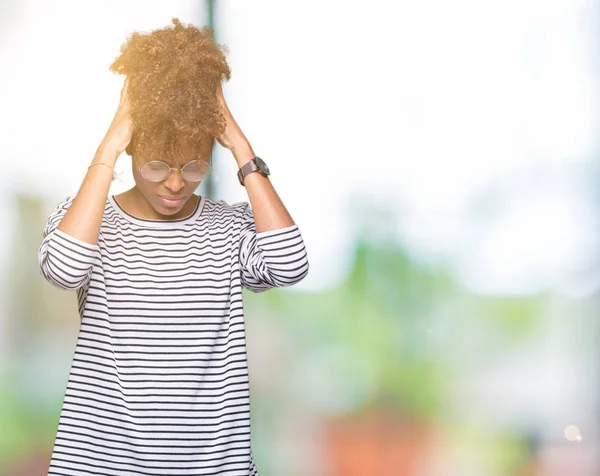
159 381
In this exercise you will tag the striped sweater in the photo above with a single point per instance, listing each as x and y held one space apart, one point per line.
159 379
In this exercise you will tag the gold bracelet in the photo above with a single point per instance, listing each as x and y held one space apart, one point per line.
106 165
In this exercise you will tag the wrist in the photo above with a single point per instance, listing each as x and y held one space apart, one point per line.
106 154
242 152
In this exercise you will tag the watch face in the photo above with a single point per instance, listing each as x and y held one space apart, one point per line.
262 166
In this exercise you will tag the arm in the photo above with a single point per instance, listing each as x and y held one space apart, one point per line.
273 258
65 261
272 251
83 218
69 247
269 211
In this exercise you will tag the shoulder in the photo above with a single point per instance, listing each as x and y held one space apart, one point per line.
66 202
55 216
62 206
223 211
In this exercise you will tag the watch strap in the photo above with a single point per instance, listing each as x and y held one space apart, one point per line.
248 168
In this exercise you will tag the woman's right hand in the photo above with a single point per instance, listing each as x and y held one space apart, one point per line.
119 133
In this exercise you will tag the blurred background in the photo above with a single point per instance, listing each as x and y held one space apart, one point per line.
442 162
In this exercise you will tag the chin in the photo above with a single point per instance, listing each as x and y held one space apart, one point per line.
168 211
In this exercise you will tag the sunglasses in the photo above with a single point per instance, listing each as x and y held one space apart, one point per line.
157 171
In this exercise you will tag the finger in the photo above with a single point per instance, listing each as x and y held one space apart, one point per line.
220 95
124 94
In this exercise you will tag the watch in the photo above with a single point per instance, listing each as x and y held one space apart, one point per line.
255 165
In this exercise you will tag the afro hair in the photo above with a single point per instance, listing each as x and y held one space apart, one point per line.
173 75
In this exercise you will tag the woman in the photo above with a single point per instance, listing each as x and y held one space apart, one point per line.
159 380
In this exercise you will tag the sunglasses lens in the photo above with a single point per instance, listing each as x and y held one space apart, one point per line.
195 171
155 171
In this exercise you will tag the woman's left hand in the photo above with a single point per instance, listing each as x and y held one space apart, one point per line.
232 137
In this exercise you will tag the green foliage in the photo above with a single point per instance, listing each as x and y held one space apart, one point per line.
513 317
377 321
23 426
383 335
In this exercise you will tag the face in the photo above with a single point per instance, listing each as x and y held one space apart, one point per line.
168 199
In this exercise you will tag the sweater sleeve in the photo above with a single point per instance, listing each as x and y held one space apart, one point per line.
65 261
273 258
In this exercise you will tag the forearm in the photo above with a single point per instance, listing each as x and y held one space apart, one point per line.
268 209
84 217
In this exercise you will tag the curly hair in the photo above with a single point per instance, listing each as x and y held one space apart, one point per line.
173 75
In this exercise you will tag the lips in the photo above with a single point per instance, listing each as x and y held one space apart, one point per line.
171 202
172 198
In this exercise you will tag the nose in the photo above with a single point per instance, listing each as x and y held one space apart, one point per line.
174 182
